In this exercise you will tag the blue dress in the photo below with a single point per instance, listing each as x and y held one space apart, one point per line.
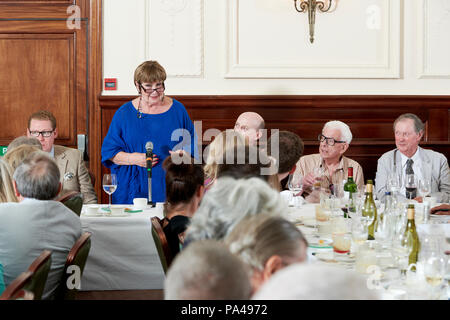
129 134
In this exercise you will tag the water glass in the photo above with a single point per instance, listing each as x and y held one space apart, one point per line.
424 187
295 185
109 185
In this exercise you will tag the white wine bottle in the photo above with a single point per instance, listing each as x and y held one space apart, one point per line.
411 237
370 209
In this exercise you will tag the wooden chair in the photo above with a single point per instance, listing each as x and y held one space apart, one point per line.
39 269
16 290
77 257
73 200
161 243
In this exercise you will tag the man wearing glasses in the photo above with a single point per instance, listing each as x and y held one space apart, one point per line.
74 174
328 169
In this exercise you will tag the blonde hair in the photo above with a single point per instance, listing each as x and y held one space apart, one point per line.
16 156
149 72
224 140
7 193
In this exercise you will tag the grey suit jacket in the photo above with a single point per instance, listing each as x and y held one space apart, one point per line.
74 174
29 227
434 165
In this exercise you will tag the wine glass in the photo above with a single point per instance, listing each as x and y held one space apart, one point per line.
410 186
295 184
109 185
424 188
434 272
393 184
402 247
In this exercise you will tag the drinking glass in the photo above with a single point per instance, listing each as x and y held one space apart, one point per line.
393 183
410 185
341 244
360 232
109 185
318 173
295 184
434 269
424 188
401 249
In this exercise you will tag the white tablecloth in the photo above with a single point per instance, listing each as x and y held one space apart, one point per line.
123 255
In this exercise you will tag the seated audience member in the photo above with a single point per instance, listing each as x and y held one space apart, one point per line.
224 140
267 244
36 223
18 154
251 125
24 140
248 161
409 158
74 174
303 281
6 185
228 202
207 270
443 209
290 149
2 282
184 190
330 162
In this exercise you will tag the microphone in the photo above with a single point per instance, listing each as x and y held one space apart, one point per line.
149 156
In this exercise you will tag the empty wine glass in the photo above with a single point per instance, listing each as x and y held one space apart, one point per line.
401 249
295 184
393 184
424 187
109 185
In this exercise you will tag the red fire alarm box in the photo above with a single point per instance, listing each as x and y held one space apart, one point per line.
111 84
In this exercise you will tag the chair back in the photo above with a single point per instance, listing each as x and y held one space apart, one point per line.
72 200
39 269
77 257
161 243
15 290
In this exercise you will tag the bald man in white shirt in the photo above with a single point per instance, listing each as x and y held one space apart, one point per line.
251 125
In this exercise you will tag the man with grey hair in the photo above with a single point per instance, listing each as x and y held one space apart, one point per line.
251 125
207 270
228 202
316 282
37 222
329 167
24 140
409 158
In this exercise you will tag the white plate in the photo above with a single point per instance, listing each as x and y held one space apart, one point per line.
310 223
98 214
119 215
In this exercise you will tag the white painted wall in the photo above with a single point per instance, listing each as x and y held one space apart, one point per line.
227 47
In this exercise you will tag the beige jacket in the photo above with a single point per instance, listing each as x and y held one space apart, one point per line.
74 174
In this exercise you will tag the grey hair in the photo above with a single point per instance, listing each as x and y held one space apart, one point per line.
37 177
302 281
207 270
24 140
260 237
418 124
229 201
6 187
346 133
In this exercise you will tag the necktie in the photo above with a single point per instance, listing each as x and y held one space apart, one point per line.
411 194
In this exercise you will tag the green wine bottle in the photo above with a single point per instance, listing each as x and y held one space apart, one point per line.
350 188
369 209
411 237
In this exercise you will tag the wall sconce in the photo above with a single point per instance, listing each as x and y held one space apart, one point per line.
310 6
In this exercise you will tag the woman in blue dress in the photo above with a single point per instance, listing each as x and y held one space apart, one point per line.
152 116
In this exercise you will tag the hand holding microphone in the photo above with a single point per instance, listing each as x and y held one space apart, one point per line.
140 159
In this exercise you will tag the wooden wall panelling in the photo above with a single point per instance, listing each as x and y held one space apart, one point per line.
369 117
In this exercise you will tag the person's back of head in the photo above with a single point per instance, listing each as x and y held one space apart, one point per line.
183 182
290 149
24 140
224 140
16 156
6 186
267 244
37 177
207 270
315 282
228 202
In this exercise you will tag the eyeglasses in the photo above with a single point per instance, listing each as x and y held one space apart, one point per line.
329 141
159 88
45 134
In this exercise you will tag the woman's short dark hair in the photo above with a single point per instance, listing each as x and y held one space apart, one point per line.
182 181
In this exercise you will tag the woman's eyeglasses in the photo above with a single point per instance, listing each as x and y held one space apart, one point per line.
159 88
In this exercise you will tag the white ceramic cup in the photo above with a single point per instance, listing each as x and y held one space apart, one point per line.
92 209
140 203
